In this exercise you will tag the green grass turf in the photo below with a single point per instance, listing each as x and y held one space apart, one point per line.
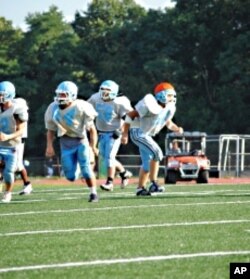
56 225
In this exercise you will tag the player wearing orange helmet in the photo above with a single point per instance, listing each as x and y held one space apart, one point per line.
151 114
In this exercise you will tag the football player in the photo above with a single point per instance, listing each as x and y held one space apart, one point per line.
20 168
71 118
151 114
111 110
13 118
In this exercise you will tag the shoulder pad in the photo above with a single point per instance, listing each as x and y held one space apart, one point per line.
20 102
86 107
21 109
94 97
122 100
151 104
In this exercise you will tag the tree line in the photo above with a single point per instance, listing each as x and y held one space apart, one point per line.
201 47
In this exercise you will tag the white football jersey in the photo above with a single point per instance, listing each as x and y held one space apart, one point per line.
72 121
19 109
110 113
22 102
153 117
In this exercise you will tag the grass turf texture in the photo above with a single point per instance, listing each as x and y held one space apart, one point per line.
190 231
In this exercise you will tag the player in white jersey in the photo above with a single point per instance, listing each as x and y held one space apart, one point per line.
20 168
13 118
111 110
70 118
151 114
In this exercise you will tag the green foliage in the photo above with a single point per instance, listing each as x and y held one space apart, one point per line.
104 47
47 59
9 37
201 47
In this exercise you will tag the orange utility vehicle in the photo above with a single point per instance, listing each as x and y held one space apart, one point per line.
185 157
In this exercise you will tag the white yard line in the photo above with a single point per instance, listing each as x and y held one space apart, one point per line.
148 226
125 260
84 190
120 208
77 196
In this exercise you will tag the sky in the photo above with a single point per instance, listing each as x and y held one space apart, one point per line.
17 10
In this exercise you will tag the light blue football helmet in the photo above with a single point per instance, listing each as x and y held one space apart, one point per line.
163 96
109 90
66 92
7 91
164 93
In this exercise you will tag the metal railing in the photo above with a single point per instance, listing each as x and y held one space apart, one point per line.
229 154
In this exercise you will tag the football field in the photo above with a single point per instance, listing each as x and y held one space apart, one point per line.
189 231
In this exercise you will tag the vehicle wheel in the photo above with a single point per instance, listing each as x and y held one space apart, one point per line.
203 176
171 177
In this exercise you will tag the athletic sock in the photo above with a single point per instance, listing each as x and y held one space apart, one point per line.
93 190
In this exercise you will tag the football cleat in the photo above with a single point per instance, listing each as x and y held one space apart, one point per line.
27 189
142 192
93 198
155 188
7 197
108 186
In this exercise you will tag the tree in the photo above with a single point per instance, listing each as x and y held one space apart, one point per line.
47 58
103 49
9 38
204 32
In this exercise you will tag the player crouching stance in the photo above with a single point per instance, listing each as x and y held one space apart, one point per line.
71 118
151 114
13 118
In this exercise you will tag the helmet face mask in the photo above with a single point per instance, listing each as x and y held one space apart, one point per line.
165 93
66 93
2 98
63 98
106 93
109 90
7 91
166 96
